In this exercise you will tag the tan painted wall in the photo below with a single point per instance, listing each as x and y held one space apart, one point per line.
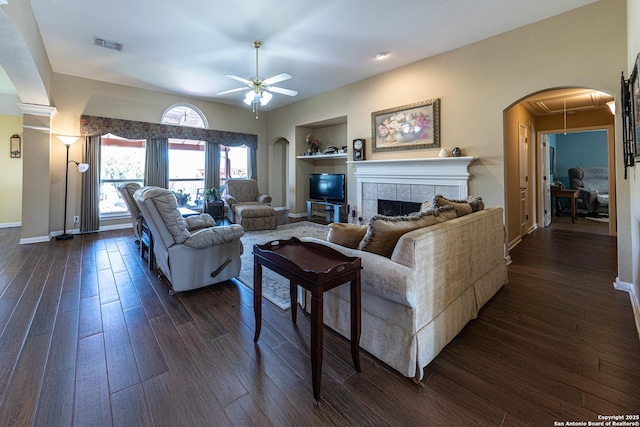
10 174
584 48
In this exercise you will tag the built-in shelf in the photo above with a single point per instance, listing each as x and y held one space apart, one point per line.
324 156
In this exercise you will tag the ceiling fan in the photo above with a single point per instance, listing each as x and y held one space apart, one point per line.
260 89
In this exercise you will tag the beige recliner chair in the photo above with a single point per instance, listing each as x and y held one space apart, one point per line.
248 207
126 192
190 252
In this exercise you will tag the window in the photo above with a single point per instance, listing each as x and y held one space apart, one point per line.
186 157
233 163
114 171
186 169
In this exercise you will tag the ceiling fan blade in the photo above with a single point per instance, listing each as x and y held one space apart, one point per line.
276 79
283 91
240 79
238 89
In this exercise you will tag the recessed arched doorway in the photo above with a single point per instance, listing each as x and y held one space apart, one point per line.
279 177
528 122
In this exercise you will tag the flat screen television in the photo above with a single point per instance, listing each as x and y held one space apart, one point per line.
328 187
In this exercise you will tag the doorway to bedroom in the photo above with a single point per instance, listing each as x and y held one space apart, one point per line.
556 112
577 160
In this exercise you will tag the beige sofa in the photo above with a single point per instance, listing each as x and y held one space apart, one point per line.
418 299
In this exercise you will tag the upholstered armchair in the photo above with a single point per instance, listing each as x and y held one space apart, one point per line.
248 207
593 183
190 252
126 192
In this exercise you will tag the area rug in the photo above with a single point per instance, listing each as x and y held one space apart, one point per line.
275 288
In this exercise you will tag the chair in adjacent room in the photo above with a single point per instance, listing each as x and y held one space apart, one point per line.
248 207
190 252
593 183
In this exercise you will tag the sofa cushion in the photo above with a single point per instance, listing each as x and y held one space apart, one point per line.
463 207
384 231
347 235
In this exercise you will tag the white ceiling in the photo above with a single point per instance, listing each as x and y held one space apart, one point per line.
186 47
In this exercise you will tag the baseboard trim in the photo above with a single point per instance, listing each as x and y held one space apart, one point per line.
116 227
10 224
514 242
297 215
633 295
29 240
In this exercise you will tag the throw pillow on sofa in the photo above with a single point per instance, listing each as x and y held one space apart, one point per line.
463 207
347 235
383 232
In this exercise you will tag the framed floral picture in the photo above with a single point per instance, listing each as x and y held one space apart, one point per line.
409 127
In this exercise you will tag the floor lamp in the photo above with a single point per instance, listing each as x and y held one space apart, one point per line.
82 168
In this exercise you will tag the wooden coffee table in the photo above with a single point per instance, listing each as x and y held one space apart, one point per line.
317 268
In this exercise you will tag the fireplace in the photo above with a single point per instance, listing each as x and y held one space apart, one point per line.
408 180
397 207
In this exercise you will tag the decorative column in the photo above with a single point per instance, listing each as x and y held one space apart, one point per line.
36 175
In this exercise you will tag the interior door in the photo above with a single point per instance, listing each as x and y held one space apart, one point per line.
546 179
523 154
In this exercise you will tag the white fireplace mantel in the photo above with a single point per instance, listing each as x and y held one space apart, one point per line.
412 180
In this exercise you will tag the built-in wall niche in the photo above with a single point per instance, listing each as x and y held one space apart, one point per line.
330 133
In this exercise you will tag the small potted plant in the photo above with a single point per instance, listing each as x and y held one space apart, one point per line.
212 203
181 197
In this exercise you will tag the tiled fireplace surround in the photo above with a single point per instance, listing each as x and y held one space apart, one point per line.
409 180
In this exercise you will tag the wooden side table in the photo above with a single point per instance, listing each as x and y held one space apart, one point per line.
562 193
316 268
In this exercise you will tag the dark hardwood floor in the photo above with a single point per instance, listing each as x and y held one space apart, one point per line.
89 336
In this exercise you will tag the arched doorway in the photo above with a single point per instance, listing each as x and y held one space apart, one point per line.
527 177
279 178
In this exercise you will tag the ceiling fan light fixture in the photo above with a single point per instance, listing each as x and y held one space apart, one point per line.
258 96
265 98
261 98
250 97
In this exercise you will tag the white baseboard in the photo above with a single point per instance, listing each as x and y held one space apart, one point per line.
116 227
39 239
514 242
297 215
10 224
53 234
633 295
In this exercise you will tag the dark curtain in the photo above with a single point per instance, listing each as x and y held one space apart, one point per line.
90 209
156 171
212 165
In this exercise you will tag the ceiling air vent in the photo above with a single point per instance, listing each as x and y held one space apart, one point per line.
108 44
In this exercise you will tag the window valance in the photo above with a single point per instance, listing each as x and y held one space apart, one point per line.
96 126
